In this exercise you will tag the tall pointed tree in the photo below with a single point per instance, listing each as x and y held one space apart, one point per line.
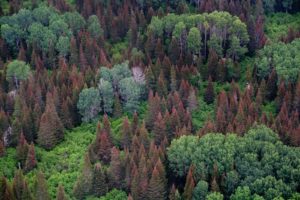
156 190
30 160
189 184
99 182
209 94
41 190
51 128
60 194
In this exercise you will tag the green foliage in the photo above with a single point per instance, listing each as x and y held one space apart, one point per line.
284 57
115 195
261 161
89 104
63 46
107 94
200 191
215 196
94 27
222 22
278 24
17 70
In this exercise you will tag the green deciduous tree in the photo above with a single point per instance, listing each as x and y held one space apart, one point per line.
17 71
89 104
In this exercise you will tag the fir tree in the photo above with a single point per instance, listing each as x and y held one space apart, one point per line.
99 182
159 130
30 160
209 94
6 192
189 184
126 134
116 168
60 194
41 190
156 190
51 128
84 184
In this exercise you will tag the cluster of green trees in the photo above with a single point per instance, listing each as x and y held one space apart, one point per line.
226 34
284 58
117 88
257 163
45 29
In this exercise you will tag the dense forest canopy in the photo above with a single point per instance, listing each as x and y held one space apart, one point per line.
150 100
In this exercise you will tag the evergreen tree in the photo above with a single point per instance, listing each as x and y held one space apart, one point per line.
209 94
6 192
126 134
51 128
159 130
22 150
41 190
115 168
30 160
156 190
84 184
60 194
189 184
99 182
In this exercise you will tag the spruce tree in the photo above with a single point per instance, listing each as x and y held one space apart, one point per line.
41 190
156 190
6 192
189 184
60 194
159 130
99 182
84 183
51 128
209 94
126 134
115 168
22 150
30 160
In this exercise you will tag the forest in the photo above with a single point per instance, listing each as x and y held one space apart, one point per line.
150 100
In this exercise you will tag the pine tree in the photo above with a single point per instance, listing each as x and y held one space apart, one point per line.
20 186
41 190
209 94
117 106
84 184
6 192
159 130
126 134
2 148
192 100
99 182
51 128
116 168
22 150
156 190
104 149
30 160
60 194
189 184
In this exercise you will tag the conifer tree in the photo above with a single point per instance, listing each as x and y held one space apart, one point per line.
41 190
22 150
6 192
20 187
192 100
51 128
99 182
156 190
116 168
2 148
159 129
83 186
209 94
126 134
117 106
189 184
30 160
60 194
135 123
